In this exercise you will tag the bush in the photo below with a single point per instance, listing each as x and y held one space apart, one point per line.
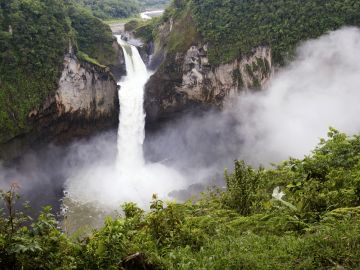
313 225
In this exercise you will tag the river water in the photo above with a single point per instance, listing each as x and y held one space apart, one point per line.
147 15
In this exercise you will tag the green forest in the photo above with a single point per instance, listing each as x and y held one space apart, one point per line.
107 9
300 214
233 28
35 35
110 9
153 4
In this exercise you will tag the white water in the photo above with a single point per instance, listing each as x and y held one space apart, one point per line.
129 178
132 118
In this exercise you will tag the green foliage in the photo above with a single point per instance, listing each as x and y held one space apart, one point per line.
132 25
85 57
105 248
146 30
241 227
111 9
153 4
264 65
234 27
34 37
183 34
241 186
39 245
324 181
94 38
107 9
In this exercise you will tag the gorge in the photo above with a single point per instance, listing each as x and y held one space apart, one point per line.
130 177
219 135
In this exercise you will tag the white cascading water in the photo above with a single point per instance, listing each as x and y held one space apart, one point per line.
129 178
132 117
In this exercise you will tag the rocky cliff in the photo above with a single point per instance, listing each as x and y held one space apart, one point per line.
118 67
56 82
215 48
185 78
85 102
85 91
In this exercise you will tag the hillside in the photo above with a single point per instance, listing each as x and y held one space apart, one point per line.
108 9
233 28
34 37
115 9
301 214
60 71
153 4
203 51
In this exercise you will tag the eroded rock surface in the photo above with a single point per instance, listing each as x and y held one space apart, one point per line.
85 102
89 92
189 80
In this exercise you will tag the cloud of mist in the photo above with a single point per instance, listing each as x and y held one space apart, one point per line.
319 89
40 173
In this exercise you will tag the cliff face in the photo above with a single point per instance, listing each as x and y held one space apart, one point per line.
212 84
185 78
118 67
44 97
188 80
85 102
224 56
87 91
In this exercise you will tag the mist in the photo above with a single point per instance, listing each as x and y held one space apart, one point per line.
40 174
321 88
318 89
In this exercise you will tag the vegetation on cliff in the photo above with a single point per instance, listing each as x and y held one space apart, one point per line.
107 9
183 29
153 4
233 28
93 37
34 36
302 214
111 9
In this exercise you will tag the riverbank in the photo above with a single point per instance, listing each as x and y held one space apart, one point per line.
148 15
118 25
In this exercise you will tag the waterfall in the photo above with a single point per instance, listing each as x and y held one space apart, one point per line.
131 132
129 179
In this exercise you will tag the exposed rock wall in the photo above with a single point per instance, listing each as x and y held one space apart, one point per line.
85 102
205 83
89 92
189 81
118 68
184 79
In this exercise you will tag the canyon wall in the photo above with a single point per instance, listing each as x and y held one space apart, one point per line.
184 77
85 102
